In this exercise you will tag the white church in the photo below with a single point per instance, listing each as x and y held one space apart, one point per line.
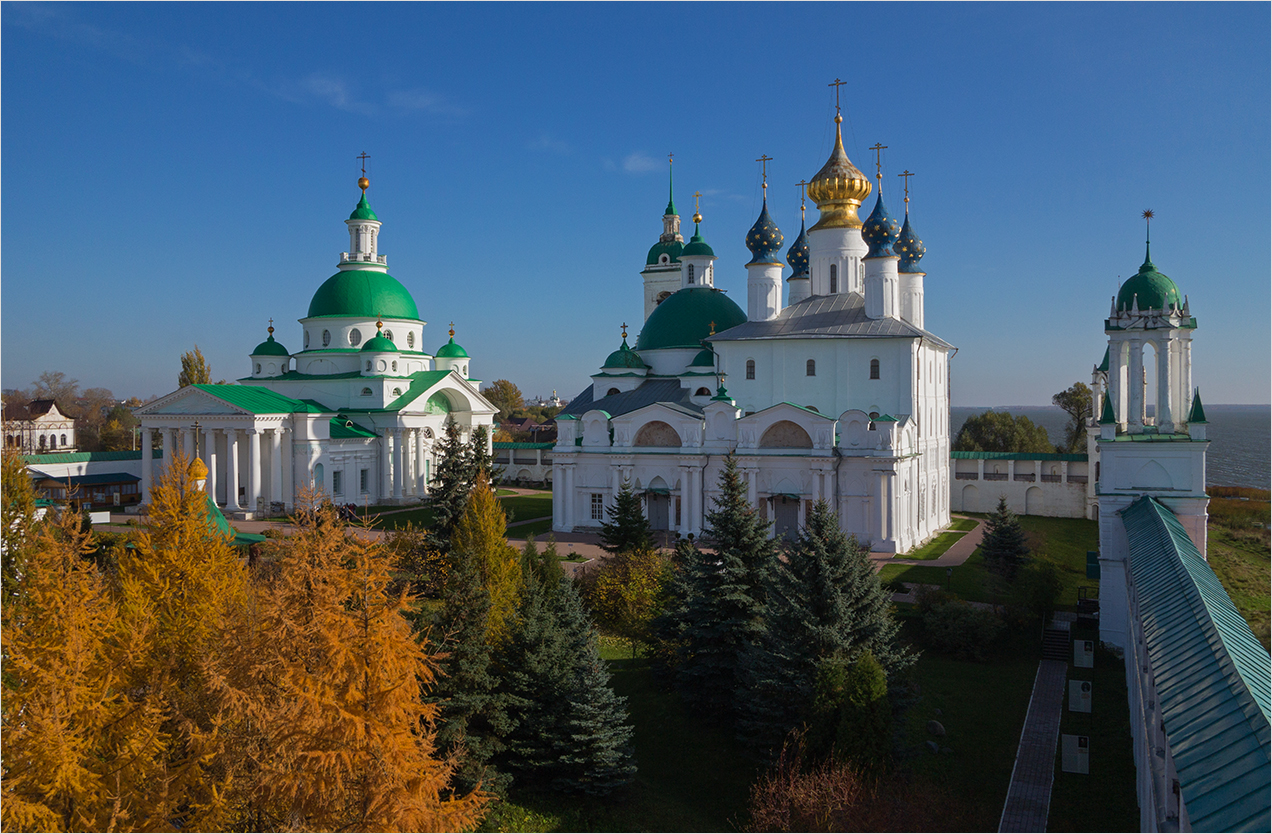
355 414
840 394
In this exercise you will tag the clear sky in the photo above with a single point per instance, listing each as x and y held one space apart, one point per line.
179 173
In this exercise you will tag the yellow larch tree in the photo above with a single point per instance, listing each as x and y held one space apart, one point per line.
482 535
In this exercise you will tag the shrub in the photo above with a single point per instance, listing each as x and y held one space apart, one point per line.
1035 592
957 628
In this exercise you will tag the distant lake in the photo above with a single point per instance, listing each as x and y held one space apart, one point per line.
1240 436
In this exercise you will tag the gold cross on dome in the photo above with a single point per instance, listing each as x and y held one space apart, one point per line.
452 329
712 328
669 157
836 84
696 195
624 331
802 185
271 327
907 173
363 157
879 149
764 160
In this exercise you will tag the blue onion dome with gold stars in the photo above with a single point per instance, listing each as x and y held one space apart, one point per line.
363 210
623 358
910 249
1148 289
269 347
764 240
697 246
880 231
797 255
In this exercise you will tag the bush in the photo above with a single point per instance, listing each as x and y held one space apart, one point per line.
851 715
829 796
1035 593
926 598
958 628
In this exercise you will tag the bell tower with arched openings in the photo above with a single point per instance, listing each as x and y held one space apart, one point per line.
1163 455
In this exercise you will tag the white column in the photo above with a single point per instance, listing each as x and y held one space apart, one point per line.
231 469
289 471
386 474
1135 387
558 496
1117 383
1165 404
209 458
568 516
883 507
408 468
751 489
889 512
399 463
165 450
253 469
276 465
421 485
147 453
1186 363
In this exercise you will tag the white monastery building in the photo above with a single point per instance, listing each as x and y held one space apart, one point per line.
840 394
354 414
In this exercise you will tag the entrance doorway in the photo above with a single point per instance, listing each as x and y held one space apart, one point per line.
659 511
785 517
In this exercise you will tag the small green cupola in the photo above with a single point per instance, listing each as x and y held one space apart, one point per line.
269 347
624 359
1148 289
697 245
452 356
1197 414
363 210
379 343
270 358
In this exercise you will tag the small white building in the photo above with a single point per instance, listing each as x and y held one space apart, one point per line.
355 414
38 428
840 394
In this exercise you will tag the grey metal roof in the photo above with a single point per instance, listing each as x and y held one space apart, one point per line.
1212 675
651 391
840 316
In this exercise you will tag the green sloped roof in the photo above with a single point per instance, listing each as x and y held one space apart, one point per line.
1104 366
364 293
216 520
84 457
1211 674
451 350
420 382
363 210
684 319
672 250
379 343
342 428
1197 414
252 398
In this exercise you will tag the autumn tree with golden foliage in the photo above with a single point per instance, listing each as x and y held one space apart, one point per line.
481 535
332 680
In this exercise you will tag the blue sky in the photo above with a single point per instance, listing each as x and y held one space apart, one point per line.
179 173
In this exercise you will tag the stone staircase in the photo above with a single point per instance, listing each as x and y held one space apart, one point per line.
1056 644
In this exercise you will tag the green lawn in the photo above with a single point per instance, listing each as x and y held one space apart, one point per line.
964 524
936 548
518 507
1110 786
690 777
526 507
1238 552
534 528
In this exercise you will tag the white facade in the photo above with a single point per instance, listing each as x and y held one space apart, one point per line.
355 415
39 428
825 400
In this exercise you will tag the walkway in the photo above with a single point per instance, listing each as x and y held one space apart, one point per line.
1029 794
958 553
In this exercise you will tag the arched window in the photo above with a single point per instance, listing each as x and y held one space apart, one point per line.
306 339
834 277
326 338
258 367
690 273
410 338
702 392
750 369
388 334
611 392
397 392
43 441
874 415
810 367
63 440
366 392
874 368
395 366
368 366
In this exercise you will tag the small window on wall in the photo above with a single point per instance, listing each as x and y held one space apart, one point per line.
690 273
63 440
395 366
702 392
355 337
810 368
306 338
750 369
397 392
834 278
598 507
363 477
326 338
611 392
337 482
388 334
258 367
874 415
366 392
410 338
368 366
874 368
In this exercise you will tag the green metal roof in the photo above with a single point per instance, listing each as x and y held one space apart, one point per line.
1016 456
672 250
269 347
1104 366
1148 289
697 246
684 319
342 428
216 520
451 350
252 398
84 457
420 382
1211 674
1106 414
363 293
624 357
380 343
90 480
517 445
1197 414
363 210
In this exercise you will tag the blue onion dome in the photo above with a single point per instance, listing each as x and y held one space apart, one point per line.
704 359
697 246
269 347
797 255
880 231
623 358
909 247
764 240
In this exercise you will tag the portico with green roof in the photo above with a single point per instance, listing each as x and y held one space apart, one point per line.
354 415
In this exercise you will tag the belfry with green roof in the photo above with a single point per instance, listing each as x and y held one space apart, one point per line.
354 415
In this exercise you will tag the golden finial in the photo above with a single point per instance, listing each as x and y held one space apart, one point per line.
624 331
363 182
379 322
452 330
271 327
879 149
764 160
697 213
907 173
837 84
712 328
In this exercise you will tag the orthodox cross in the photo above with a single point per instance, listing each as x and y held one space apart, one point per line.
697 212
712 328
764 160
836 84
801 184
196 438
364 157
271 327
907 173
669 157
624 331
452 329
879 149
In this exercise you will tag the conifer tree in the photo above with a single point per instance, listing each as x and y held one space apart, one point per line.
627 528
335 683
481 536
1003 545
79 753
722 612
450 487
480 460
571 733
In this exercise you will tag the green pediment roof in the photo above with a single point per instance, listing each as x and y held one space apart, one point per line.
252 398
363 293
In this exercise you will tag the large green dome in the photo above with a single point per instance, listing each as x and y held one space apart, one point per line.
1149 289
685 318
363 293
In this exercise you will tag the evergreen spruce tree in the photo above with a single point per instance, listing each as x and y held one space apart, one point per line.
450 488
481 536
722 611
627 528
1003 545
571 733
480 459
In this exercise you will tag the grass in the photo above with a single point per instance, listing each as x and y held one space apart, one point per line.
964 524
690 777
534 528
1110 786
936 548
516 506
1238 551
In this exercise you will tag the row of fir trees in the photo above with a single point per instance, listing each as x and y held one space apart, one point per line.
168 684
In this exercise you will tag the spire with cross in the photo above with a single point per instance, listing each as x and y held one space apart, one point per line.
837 84
697 212
906 174
363 182
879 148
764 160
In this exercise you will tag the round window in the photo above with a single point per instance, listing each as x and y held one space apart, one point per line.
355 336
410 338
388 334
366 392
326 338
397 392
380 366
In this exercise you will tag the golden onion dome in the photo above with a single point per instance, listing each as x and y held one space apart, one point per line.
198 470
838 189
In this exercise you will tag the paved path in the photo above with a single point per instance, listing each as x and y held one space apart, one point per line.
1029 794
958 553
